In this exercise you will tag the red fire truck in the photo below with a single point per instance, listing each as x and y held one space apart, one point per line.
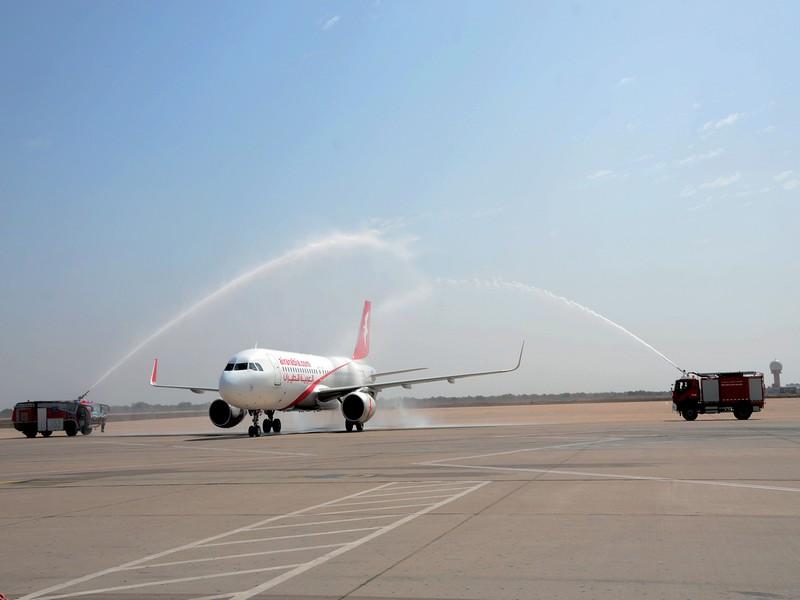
740 392
46 417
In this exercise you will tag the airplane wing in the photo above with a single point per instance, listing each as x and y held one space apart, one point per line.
330 393
385 373
191 388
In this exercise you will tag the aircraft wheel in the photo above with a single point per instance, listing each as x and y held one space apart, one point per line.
47 433
348 425
267 425
251 431
359 427
276 425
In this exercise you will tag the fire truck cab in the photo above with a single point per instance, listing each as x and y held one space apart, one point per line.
740 392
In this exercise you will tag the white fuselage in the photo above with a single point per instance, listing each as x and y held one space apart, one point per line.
262 379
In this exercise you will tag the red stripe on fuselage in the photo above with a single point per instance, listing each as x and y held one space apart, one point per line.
307 392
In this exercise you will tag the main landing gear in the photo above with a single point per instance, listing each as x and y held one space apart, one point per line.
349 425
269 423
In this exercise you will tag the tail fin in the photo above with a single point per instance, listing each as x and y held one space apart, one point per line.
362 344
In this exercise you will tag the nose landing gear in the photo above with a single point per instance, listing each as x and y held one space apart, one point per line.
254 430
269 423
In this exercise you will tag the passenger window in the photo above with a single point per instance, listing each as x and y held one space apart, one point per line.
229 367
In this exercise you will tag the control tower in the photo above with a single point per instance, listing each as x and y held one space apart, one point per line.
775 368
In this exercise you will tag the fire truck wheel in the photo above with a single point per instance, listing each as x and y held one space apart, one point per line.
47 433
31 433
742 412
87 429
689 413
71 428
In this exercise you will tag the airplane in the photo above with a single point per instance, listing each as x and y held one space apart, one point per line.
261 380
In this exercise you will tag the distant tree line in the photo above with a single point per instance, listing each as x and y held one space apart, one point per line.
434 401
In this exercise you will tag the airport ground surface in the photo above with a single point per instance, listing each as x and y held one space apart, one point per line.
593 501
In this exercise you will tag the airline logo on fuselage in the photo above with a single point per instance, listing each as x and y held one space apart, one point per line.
293 362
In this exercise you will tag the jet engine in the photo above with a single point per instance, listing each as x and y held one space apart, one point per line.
224 415
358 407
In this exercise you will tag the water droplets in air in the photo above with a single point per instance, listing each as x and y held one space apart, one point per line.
541 292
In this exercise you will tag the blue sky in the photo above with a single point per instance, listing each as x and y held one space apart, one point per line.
638 158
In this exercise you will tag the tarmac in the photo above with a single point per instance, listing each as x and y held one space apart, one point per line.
614 501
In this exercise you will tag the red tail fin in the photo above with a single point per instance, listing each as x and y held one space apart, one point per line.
362 344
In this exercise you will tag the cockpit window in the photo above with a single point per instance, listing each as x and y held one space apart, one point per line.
229 367
259 367
252 366
240 367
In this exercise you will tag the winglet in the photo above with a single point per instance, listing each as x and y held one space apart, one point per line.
362 344
154 374
521 350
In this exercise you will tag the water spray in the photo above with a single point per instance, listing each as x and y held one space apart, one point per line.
516 285
369 239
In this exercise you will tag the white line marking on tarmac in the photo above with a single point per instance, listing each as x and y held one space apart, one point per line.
753 486
420 485
119 588
519 450
361 510
441 463
393 500
191 545
339 551
312 523
228 556
447 489
287 537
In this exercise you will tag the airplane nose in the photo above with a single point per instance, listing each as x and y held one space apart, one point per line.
224 384
231 386
244 388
